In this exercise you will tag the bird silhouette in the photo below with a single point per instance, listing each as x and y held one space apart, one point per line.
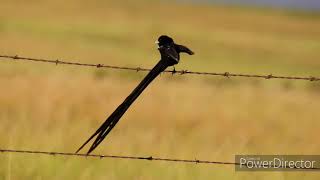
170 55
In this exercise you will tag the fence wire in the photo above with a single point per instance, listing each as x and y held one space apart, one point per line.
137 69
148 158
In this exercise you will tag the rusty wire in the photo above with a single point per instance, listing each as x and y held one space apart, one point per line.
137 69
149 158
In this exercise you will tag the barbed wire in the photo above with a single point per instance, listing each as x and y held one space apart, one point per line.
137 69
149 158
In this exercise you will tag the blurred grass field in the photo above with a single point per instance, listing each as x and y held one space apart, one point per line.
49 108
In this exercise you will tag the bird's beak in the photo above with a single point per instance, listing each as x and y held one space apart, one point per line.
157 42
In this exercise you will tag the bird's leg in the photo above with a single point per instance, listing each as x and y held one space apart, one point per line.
174 70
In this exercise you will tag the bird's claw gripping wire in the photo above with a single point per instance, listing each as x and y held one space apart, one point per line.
174 70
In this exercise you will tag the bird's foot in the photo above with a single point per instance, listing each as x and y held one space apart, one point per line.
174 70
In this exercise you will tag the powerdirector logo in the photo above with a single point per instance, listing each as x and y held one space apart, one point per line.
277 162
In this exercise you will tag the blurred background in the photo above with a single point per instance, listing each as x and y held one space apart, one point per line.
56 108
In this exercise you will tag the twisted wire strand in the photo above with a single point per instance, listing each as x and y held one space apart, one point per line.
149 158
137 69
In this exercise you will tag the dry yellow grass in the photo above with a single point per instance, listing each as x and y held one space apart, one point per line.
44 107
201 120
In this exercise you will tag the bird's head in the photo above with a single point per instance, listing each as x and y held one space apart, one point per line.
164 40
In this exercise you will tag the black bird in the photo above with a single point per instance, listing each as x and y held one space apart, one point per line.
169 56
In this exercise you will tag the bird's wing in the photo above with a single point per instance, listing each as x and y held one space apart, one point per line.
169 52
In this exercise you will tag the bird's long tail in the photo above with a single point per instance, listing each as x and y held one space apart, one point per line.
112 120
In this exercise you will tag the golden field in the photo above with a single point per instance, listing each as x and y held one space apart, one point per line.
56 108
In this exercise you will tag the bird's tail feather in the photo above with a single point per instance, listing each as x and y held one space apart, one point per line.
113 119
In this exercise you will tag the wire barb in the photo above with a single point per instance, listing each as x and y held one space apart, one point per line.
57 62
181 72
312 78
227 74
149 158
269 76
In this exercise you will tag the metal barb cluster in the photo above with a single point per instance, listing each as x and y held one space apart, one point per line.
137 69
